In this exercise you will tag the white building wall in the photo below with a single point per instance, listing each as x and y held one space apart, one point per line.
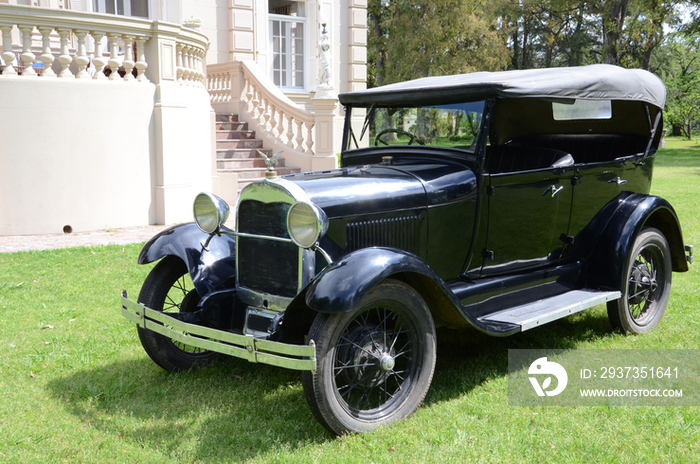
57 173
214 15
80 153
103 172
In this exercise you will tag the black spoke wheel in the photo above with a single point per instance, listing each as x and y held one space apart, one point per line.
647 285
168 288
375 363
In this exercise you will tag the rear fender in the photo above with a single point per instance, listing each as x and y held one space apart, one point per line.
212 270
608 261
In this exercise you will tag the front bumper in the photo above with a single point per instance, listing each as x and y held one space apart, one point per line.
256 350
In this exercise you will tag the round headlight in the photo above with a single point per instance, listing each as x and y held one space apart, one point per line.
306 224
210 212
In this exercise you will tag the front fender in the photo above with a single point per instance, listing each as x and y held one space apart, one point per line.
211 270
608 261
341 286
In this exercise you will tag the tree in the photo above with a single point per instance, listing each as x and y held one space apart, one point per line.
612 15
683 82
545 33
377 19
411 39
644 31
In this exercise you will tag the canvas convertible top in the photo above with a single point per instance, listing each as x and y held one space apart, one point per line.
593 82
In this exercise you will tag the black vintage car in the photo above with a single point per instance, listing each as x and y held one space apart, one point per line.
497 201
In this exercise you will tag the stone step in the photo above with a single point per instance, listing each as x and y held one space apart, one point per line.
237 164
228 126
237 152
259 173
226 118
235 135
241 153
241 143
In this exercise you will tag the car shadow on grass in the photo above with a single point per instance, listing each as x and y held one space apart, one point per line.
230 410
467 358
235 410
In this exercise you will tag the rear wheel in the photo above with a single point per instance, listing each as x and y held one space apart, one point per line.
168 288
647 285
374 363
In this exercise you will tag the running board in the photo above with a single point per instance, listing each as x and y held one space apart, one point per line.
540 312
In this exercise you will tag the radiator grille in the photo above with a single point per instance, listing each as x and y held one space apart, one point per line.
256 217
391 232
266 265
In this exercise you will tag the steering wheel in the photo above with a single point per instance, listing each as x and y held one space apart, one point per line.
413 138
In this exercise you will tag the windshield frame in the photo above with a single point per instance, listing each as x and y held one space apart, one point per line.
445 126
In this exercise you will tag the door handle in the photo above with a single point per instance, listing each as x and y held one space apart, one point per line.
617 181
553 189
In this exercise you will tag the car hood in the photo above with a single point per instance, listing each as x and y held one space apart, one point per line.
376 188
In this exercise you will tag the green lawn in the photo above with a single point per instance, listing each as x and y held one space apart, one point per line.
682 142
77 387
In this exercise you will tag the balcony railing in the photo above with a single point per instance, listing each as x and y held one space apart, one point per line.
61 39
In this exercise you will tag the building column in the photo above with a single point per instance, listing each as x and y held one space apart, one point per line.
357 55
242 30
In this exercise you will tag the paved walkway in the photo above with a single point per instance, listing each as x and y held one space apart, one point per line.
9 244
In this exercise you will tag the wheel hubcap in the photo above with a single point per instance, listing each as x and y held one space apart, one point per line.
371 360
387 362
643 284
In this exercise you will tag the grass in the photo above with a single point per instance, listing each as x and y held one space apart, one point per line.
682 142
77 387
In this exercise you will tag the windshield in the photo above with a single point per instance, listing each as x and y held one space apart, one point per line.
454 126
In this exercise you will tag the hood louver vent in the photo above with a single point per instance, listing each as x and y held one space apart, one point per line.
398 233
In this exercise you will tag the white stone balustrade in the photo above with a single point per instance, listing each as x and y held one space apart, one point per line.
308 139
62 41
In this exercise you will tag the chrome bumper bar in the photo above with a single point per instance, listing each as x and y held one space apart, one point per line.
297 357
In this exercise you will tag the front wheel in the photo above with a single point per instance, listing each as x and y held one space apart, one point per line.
168 288
647 285
374 363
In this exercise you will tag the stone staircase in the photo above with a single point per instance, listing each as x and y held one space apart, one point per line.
236 152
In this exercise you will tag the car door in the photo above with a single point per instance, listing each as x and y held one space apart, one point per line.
527 220
596 185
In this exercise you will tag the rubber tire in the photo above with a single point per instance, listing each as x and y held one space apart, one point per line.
653 242
327 330
162 350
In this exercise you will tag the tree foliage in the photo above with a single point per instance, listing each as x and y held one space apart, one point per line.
411 39
416 38
546 33
683 82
